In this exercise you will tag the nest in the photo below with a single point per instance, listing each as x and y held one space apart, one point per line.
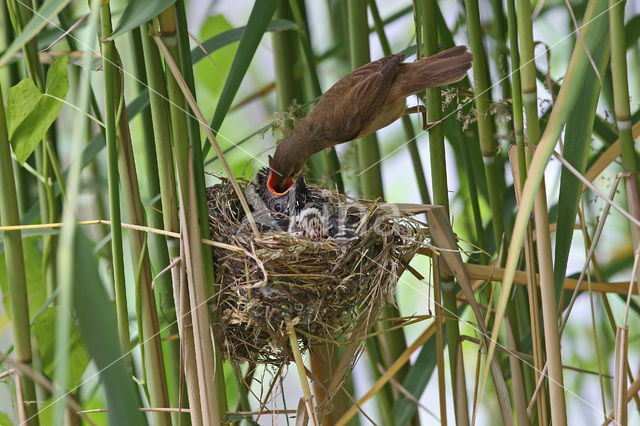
324 287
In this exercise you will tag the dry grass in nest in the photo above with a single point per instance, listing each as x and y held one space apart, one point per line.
322 286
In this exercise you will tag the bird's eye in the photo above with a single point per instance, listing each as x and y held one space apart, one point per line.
277 207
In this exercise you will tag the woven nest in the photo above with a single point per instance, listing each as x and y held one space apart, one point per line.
324 286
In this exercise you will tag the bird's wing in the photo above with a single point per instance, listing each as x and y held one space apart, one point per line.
346 107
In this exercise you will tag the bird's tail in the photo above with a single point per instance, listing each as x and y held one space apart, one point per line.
443 68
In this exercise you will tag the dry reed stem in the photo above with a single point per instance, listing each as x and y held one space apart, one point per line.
530 280
442 389
631 392
302 374
22 412
620 377
494 273
204 347
187 356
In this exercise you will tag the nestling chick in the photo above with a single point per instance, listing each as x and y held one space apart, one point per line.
274 210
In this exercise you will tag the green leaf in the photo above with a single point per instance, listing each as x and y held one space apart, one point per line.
231 385
97 321
23 98
31 113
256 27
58 79
576 148
96 402
36 289
231 36
632 31
48 11
415 383
137 13
5 420
213 74
79 357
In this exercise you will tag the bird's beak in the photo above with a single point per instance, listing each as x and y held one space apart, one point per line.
276 189
275 184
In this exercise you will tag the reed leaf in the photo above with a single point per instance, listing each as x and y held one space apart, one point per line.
97 322
31 29
137 13
576 148
256 27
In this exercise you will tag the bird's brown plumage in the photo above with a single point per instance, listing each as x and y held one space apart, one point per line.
367 99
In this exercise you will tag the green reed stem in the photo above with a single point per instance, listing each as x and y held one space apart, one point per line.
486 129
197 162
328 159
518 128
410 134
147 161
16 276
366 147
441 197
621 92
173 29
500 33
162 137
434 110
120 291
153 361
452 331
516 90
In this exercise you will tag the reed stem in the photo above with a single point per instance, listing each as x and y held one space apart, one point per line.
486 128
410 134
117 256
16 276
368 169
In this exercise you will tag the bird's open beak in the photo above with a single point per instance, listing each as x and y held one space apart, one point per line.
274 188
277 187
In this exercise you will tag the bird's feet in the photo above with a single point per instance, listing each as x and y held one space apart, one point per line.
422 110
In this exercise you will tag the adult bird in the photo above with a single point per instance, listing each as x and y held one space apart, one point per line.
367 99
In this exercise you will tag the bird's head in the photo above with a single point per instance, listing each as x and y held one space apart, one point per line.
282 196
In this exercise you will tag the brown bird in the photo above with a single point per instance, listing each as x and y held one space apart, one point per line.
365 100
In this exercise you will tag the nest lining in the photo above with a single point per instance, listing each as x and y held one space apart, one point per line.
323 286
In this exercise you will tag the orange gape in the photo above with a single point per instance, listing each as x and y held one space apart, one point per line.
365 100
272 182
